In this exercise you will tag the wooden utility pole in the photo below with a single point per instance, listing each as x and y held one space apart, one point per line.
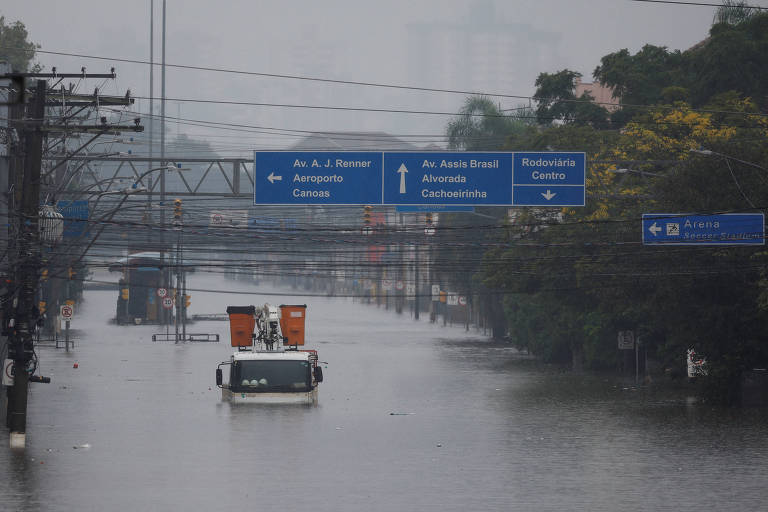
27 262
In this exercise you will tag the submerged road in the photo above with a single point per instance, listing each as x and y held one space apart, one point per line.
411 417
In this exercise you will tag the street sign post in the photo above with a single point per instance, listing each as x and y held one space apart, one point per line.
719 229
66 312
432 180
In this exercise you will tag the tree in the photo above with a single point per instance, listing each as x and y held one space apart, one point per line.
483 126
733 12
733 58
15 49
558 102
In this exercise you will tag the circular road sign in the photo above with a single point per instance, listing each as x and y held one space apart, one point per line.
167 303
162 292
400 285
66 312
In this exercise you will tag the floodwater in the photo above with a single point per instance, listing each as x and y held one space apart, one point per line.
412 417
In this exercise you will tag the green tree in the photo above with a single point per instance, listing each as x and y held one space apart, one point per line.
733 58
733 12
483 126
558 102
15 49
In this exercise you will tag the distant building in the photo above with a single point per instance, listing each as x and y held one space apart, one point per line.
482 51
603 95
351 141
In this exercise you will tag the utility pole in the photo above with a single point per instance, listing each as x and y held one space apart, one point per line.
27 259
26 135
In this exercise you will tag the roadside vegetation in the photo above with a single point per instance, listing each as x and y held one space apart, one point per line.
565 282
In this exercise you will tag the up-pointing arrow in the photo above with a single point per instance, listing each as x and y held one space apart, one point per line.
272 178
549 195
654 229
402 170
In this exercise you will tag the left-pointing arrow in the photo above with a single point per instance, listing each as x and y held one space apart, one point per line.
272 178
654 229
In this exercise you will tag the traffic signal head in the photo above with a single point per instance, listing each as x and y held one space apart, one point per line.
177 209
367 215
428 218
187 300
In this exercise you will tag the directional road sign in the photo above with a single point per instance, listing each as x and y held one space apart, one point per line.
549 179
420 179
447 178
316 177
721 229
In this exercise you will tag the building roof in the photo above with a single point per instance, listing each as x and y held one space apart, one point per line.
351 141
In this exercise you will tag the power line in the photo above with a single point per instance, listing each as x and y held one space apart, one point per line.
701 4
350 82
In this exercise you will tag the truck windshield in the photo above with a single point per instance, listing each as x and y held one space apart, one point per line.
270 376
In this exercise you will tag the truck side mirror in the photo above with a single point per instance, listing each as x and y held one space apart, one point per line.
219 377
318 374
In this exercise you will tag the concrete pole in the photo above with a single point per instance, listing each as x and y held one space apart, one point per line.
26 273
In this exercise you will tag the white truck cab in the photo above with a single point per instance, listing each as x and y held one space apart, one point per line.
268 366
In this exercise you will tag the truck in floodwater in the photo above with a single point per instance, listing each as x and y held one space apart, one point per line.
268 366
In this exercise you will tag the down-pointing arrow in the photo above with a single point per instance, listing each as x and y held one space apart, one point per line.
549 195
272 178
654 229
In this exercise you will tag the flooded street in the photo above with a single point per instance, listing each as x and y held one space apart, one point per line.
411 416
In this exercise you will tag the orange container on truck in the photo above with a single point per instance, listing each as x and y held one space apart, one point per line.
242 322
292 321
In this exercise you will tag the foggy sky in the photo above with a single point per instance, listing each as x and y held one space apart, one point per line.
432 43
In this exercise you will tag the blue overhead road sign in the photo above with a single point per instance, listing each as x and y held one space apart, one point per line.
549 179
447 178
721 229
436 179
316 177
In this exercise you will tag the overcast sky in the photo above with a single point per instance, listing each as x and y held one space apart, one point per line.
482 45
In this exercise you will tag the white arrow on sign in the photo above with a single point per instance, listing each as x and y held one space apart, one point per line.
272 178
402 170
549 195
654 229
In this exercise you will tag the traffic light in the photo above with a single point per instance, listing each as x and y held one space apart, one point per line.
124 293
367 229
70 272
187 300
177 211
